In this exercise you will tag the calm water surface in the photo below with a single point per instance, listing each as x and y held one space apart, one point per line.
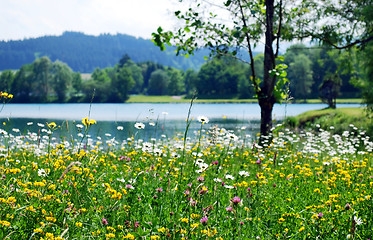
142 111
168 117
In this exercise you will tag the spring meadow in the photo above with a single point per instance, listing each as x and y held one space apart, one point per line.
206 184
255 171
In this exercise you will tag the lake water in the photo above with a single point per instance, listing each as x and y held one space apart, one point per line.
169 118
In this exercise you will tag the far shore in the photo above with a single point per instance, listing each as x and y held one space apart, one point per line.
182 99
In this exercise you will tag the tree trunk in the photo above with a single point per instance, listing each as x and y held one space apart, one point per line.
265 97
266 107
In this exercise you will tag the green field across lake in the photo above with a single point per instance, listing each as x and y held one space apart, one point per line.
182 99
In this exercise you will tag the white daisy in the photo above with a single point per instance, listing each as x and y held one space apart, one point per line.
139 125
244 173
203 119
42 172
232 136
358 220
229 177
121 180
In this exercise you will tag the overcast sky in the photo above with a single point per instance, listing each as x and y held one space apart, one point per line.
21 19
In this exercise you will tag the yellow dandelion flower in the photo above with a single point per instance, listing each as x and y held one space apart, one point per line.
31 208
52 125
111 229
38 230
112 235
194 216
6 95
50 219
5 223
87 122
11 200
162 230
49 236
39 184
194 225
128 236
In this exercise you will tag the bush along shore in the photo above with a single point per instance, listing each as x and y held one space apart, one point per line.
209 184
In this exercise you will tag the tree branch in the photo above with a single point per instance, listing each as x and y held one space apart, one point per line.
357 42
249 46
279 31
234 57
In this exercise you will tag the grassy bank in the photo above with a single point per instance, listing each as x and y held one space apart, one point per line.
340 119
181 99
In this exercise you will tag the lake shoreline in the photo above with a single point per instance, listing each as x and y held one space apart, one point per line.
181 99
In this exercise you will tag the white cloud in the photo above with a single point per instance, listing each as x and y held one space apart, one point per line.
24 18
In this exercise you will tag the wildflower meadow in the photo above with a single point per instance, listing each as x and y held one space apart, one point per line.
208 184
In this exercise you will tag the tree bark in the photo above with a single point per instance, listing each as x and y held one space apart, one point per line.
266 107
265 97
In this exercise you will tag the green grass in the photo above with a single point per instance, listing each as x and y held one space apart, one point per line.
340 119
155 99
181 99
214 185
342 100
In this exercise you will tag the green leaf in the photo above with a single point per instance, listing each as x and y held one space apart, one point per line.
283 74
280 58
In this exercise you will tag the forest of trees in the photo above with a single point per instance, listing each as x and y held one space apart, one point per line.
84 53
310 72
308 68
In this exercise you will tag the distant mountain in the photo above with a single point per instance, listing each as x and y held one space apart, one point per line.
83 53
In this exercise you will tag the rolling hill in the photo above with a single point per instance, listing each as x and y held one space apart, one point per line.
83 53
